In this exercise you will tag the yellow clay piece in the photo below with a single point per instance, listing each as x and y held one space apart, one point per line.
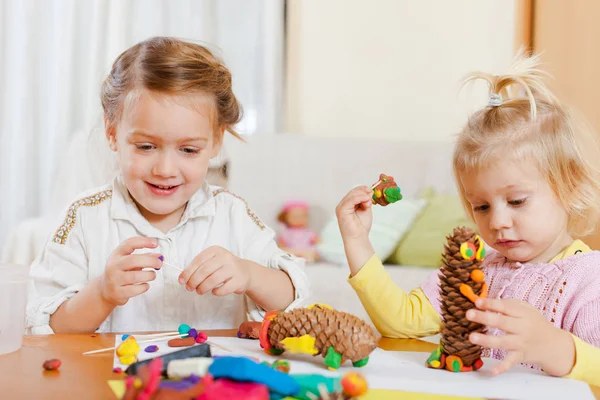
304 344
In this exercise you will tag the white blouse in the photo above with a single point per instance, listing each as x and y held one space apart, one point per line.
101 219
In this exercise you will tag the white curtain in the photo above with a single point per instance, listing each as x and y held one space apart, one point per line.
55 53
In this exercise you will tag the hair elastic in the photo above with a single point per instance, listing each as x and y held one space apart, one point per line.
495 100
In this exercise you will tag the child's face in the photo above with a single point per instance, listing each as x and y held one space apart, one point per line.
516 211
164 145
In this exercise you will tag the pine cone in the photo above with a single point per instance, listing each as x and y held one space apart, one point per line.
350 336
456 270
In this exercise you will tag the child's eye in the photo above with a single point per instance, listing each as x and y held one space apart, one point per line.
517 203
482 208
144 147
190 150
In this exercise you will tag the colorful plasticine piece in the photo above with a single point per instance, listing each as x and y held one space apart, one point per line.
354 384
128 350
181 342
249 330
386 191
244 369
52 365
319 330
462 283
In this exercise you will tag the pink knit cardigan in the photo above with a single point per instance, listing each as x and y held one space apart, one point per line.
567 292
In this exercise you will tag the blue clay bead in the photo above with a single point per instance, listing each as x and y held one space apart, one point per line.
193 333
183 329
125 336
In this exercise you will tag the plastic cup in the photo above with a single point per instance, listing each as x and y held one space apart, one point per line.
14 280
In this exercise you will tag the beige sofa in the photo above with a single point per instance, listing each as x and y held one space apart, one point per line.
268 170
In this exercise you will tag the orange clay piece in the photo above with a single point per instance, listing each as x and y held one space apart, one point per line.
454 364
467 291
484 291
353 384
477 275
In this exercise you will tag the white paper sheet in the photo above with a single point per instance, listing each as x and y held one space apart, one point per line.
406 371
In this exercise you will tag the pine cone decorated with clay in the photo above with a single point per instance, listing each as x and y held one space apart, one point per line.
461 282
335 335
386 191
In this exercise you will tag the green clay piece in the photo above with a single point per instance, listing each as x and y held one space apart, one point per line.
275 352
455 366
333 359
309 385
361 363
483 253
436 355
392 194
184 329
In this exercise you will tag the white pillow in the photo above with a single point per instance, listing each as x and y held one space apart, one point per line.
390 224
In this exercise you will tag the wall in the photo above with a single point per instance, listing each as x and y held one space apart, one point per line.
390 67
565 33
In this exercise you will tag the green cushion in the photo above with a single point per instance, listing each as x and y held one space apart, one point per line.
424 243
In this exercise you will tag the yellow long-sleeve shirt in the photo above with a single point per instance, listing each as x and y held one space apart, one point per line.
398 314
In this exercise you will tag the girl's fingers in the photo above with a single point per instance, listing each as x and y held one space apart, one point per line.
511 307
137 277
504 342
229 287
130 245
492 319
134 262
202 273
202 261
512 358
135 290
213 280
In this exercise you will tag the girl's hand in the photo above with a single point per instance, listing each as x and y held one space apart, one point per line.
216 269
529 337
354 214
123 277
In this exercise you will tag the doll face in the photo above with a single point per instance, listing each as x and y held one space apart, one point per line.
297 217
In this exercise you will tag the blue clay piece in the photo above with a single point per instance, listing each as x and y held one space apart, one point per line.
309 384
244 369
125 336
193 333
151 349
183 329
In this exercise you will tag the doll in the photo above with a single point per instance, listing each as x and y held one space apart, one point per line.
295 237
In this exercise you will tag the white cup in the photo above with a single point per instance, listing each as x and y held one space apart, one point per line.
14 280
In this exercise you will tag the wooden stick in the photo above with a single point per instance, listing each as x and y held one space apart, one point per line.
218 345
162 334
375 184
172 266
156 339
142 342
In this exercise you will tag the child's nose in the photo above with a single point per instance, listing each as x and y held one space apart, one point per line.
500 220
165 165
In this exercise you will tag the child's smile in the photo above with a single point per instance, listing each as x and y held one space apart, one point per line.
162 190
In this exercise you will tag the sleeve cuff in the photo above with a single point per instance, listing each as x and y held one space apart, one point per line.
294 268
586 368
372 268
38 314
